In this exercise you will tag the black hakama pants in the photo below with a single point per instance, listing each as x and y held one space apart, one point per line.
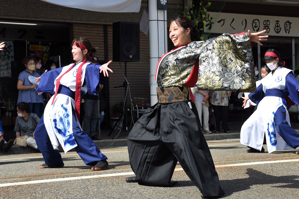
166 134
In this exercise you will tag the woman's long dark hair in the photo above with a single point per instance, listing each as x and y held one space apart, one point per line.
270 58
89 55
186 23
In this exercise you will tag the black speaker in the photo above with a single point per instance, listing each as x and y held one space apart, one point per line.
126 42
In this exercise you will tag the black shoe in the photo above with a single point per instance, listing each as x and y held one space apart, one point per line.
8 145
252 150
1 145
210 197
221 194
101 165
131 179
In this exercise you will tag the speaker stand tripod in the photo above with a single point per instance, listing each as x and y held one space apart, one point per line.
118 126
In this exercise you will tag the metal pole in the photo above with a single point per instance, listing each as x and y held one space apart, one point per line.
293 54
125 127
158 43
259 60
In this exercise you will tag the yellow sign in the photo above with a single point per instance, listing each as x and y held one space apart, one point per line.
37 48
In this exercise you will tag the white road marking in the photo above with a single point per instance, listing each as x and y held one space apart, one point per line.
256 163
65 179
131 173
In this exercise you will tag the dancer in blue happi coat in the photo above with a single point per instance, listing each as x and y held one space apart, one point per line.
60 122
272 115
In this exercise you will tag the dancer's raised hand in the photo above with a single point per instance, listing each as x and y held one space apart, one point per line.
105 69
257 37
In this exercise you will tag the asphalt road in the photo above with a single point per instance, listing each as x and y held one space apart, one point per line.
242 175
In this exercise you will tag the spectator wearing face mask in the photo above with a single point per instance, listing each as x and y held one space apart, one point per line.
39 65
50 65
26 89
26 123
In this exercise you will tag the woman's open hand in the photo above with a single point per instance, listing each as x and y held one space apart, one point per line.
2 45
105 69
257 37
245 99
37 79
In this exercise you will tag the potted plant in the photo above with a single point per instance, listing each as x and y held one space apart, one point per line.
197 13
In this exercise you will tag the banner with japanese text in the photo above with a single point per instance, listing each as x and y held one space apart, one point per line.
236 23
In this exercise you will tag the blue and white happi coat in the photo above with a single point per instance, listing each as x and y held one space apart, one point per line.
58 116
262 120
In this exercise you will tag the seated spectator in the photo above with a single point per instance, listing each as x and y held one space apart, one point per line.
4 146
26 123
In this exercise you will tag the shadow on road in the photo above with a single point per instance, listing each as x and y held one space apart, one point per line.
258 178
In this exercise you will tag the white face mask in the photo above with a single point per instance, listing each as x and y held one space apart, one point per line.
271 65
20 115
38 66
256 73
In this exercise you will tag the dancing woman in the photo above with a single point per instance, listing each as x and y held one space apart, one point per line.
171 130
271 115
62 113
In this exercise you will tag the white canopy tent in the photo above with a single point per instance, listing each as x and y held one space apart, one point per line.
100 5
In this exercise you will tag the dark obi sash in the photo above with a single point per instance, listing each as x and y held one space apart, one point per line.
172 94
66 91
275 93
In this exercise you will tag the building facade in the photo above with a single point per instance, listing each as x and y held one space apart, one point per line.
53 27
34 27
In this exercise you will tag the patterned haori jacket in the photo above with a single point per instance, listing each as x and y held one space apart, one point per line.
221 63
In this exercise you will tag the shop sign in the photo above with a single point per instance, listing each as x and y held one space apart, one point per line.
41 50
236 23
